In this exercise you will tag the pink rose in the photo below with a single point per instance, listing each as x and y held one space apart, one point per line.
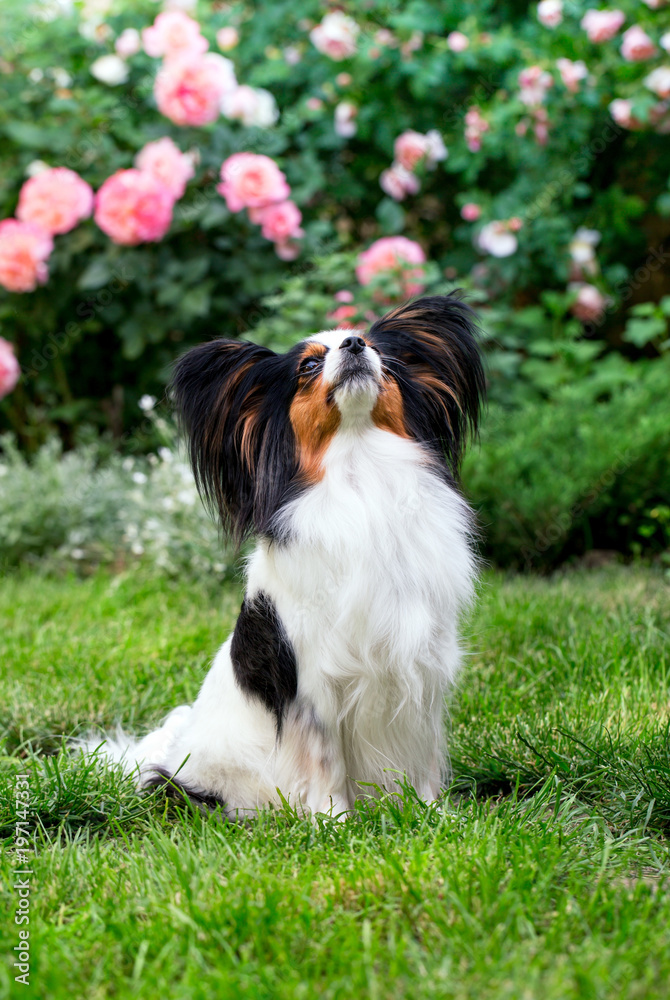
659 81
398 182
344 296
189 88
173 33
471 211
227 38
55 199
287 251
280 222
457 41
572 73
128 43
410 148
589 303
637 45
622 113
475 127
550 13
534 83
601 25
134 206
9 368
391 255
336 36
342 315
166 163
251 180
24 249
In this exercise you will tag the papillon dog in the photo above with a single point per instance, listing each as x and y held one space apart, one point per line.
341 458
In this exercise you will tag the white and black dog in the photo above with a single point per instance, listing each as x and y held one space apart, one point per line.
341 457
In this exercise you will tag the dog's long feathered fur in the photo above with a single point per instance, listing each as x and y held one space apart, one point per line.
341 456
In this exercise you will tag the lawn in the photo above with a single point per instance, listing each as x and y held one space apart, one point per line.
543 874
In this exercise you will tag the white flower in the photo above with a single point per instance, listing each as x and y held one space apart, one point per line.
345 119
436 150
186 5
550 13
60 76
137 548
77 553
165 454
665 41
139 477
110 70
187 497
659 81
36 75
36 167
496 239
336 36
251 105
582 244
147 403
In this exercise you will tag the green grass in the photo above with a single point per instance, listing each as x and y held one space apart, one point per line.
544 874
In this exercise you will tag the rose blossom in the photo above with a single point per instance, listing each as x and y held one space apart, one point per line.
495 238
345 119
457 41
471 211
227 38
550 13
251 180
173 33
589 303
128 43
9 368
398 182
109 69
251 106
475 126
280 221
342 315
55 199
189 88
601 25
637 45
534 83
622 113
336 36
344 296
133 206
409 149
391 254
659 81
572 72
24 248
167 163
582 252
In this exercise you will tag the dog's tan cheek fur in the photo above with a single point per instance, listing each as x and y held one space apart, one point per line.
314 420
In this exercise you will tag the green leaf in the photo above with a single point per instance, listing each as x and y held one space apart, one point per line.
97 274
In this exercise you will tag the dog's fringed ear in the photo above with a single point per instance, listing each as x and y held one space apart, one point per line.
228 395
430 348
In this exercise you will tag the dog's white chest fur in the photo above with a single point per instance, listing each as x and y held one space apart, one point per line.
369 589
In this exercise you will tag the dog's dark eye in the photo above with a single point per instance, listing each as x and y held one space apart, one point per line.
309 365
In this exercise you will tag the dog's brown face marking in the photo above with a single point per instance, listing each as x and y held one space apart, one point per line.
313 413
388 411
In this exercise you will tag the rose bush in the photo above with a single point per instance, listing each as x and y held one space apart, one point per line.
489 136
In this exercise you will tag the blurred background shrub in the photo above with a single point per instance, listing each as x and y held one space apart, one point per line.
517 151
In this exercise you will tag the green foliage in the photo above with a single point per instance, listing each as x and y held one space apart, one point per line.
543 872
111 319
576 471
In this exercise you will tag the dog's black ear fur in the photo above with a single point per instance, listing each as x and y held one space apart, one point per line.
232 401
430 347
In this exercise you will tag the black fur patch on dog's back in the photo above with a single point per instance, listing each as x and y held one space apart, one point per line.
263 657
173 786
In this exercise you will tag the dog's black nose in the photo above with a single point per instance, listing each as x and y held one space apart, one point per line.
353 344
